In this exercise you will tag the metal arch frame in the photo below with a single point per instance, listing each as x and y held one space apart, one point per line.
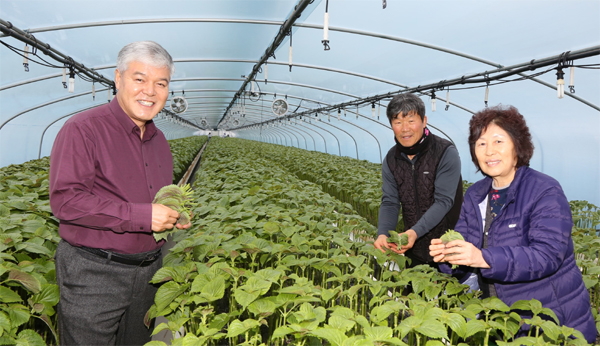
373 120
355 143
283 128
311 137
185 79
46 104
272 133
302 25
55 121
324 141
284 30
282 136
334 136
305 142
285 132
270 81
101 90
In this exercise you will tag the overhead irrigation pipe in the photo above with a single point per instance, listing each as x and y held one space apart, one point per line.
470 79
8 29
284 30
246 21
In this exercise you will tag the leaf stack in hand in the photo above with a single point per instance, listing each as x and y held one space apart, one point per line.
398 239
449 236
178 199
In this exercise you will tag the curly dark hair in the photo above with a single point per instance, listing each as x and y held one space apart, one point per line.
510 120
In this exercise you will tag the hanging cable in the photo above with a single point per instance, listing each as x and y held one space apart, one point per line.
560 83
266 72
384 4
433 101
290 54
339 113
26 58
572 79
378 110
93 91
448 99
373 110
325 40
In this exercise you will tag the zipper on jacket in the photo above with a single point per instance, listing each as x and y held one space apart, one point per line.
416 192
497 216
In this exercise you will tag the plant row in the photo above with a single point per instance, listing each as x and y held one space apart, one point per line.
28 240
357 182
184 151
273 260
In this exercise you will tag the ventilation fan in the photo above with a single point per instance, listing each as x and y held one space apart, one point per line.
237 122
179 104
203 122
279 107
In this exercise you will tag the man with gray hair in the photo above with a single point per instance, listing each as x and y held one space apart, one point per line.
421 174
106 166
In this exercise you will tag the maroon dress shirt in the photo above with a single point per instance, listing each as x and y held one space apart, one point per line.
103 178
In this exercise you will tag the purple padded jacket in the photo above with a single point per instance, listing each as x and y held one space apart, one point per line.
530 249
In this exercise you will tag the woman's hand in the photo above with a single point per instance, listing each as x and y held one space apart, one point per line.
460 252
436 250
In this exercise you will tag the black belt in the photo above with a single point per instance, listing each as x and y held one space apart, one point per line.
139 260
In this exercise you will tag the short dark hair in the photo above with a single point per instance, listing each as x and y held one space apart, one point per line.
510 120
405 103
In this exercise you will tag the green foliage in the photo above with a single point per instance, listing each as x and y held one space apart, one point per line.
177 198
28 240
184 151
274 260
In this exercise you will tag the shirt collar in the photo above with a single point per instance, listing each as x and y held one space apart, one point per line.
128 125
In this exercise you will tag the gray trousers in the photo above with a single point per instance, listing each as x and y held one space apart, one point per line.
102 302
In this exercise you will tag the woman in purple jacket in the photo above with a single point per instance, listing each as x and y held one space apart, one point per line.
517 225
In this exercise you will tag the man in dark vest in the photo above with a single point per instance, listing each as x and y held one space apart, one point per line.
421 174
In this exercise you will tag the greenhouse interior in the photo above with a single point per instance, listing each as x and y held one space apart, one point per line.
291 215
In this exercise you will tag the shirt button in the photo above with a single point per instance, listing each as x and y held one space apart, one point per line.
150 186
146 164
142 227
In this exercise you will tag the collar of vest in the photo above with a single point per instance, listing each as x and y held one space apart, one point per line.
398 152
